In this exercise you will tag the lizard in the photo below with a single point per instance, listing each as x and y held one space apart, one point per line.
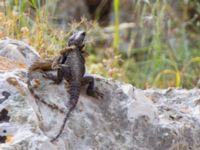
48 65
72 70
70 66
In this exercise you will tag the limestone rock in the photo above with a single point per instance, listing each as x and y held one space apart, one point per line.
125 118
18 51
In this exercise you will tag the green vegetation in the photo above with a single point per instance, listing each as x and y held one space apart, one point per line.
116 35
162 50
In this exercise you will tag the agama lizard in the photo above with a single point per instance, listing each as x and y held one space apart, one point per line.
71 66
48 65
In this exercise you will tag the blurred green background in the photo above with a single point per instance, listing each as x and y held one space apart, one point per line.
148 43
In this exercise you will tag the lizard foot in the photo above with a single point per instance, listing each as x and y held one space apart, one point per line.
47 75
95 93
51 77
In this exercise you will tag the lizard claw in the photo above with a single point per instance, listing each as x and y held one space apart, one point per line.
54 82
95 93
99 95
52 77
48 76
45 75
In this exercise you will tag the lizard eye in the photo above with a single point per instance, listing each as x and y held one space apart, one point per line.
84 33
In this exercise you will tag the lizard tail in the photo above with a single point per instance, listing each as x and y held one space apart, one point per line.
74 91
31 89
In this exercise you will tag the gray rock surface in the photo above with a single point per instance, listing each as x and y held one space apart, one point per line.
125 118
18 51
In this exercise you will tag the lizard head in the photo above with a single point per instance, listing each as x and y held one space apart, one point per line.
77 39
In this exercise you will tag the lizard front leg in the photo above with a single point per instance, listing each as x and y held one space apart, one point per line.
62 71
91 91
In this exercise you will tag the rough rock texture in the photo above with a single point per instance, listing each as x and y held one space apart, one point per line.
18 51
126 118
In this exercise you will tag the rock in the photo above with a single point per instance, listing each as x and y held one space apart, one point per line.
124 118
68 11
18 119
18 51
100 10
7 64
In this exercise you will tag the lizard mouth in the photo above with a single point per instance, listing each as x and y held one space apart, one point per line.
82 46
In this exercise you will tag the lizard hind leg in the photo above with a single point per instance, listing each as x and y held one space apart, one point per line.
91 91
